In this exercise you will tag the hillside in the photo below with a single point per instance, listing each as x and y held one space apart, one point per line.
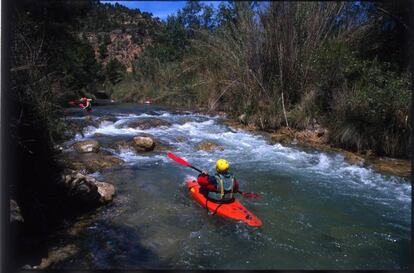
116 32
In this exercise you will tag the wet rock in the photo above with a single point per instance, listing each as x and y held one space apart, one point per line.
146 123
91 162
398 167
102 162
282 135
82 189
122 145
353 159
108 118
162 146
209 146
181 139
56 255
185 120
106 190
87 191
98 135
143 143
15 214
237 125
87 146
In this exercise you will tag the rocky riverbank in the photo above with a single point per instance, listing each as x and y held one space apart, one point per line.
77 186
315 136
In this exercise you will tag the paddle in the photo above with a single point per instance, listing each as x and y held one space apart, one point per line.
181 161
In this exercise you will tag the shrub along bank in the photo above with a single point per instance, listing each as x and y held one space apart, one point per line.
287 64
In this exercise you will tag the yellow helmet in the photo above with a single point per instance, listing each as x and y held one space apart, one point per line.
222 165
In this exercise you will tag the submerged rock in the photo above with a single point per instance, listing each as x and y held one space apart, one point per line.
90 162
181 139
209 146
87 146
185 120
108 118
143 143
146 123
56 255
122 145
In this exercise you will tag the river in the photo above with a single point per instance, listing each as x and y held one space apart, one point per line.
318 212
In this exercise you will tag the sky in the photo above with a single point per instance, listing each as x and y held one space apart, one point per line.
160 9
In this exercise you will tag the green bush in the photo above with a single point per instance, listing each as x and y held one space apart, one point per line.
374 107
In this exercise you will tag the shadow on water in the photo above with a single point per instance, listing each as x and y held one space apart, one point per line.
108 245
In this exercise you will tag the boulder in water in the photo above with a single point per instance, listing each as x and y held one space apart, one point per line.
90 162
147 123
185 120
108 118
106 190
87 191
57 255
82 189
87 146
209 146
180 139
102 162
143 143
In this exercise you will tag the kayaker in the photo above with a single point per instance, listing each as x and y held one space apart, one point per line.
86 104
220 187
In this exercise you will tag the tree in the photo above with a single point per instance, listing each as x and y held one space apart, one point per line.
103 51
114 71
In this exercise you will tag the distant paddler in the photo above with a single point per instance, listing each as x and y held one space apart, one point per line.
84 103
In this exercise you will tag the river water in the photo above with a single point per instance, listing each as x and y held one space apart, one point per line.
318 212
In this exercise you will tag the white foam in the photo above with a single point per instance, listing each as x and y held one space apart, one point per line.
245 147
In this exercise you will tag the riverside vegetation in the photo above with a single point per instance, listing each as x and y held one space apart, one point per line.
343 67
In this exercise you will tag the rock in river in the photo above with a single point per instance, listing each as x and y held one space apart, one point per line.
87 146
91 162
87 191
108 118
146 123
209 146
143 143
106 190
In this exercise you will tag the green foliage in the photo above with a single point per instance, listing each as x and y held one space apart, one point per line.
114 71
103 51
376 106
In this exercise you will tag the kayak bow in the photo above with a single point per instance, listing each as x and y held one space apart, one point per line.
234 210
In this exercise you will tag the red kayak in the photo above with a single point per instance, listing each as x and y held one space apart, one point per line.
234 210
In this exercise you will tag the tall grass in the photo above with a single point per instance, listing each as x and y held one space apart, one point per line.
286 65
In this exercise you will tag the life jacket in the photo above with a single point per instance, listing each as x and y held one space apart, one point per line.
225 185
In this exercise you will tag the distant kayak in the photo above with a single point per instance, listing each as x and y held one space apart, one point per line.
234 210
